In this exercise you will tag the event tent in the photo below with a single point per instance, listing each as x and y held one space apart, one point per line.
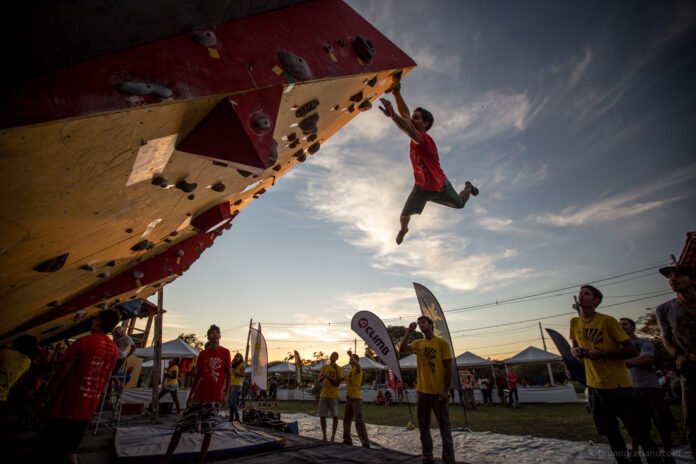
409 362
469 359
368 364
282 368
534 355
171 349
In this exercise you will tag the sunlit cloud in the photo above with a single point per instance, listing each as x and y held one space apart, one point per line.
629 204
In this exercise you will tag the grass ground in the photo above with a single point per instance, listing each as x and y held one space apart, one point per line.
569 421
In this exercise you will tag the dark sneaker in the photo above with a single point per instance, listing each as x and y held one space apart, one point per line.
474 190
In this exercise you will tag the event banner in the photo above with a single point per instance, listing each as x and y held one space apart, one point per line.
298 369
371 329
259 359
431 308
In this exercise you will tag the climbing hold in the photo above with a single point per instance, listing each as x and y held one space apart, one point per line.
143 89
365 105
180 252
238 202
104 275
141 245
187 187
137 274
295 65
357 97
173 234
54 303
371 82
351 108
53 264
191 197
277 167
243 173
294 144
218 187
160 181
309 124
313 148
364 48
204 38
273 154
87 267
292 137
259 193
302 158
312 138
261 123
129 230
307 108
340 42
336 108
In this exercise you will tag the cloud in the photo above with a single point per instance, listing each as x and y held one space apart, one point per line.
629 204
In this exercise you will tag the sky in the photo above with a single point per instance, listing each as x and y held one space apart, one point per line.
575 120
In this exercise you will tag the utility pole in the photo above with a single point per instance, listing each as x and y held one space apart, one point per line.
355 343
543 340
157 368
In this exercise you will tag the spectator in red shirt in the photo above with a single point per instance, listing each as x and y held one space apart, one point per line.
431 184
512 385
211 388
73 394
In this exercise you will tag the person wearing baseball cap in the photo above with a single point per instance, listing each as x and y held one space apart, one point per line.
677 321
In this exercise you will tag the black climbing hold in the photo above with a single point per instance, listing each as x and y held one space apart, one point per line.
259 193
87 267
371 82
365 105
53 264
141 245
166 240
336 108
129 230
144 89
295 65
314 148
294 144
204 38
340 42
277 167
104 275
351 108
302 158
238 202
243 173
309 124
357 97
173 234
111 263
298 153
218 187
261 122
292 137
273 154
364 48
307 108
312 138
54 303
160 181
187 187
191 197
219 163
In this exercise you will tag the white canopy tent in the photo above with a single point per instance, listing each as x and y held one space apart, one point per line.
534 355
176 348
282 368
368 364
408 363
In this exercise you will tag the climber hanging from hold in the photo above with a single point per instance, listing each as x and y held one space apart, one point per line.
431 184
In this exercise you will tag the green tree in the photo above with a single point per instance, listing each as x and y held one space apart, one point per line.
192 340
648 328
370 353
397 332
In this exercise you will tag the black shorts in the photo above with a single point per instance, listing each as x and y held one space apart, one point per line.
418 198
607 404
654 400
61 437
